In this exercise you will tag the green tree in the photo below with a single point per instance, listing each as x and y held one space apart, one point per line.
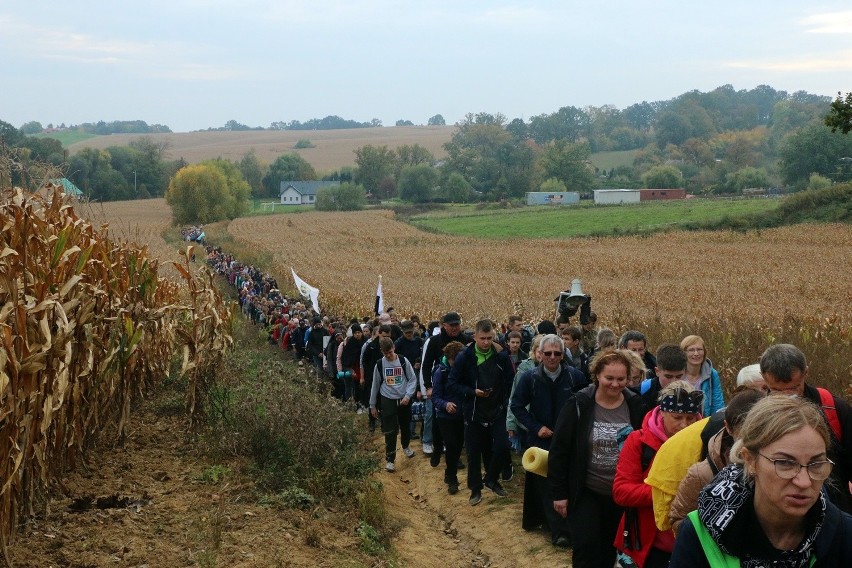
456 189
252 171
375 163
568 163
32 127
817 182
663 177
553 185
414 155
417 183
201 194
344 197
404 123
813 149
287 167
840 115
239 190
9 135
746 177
437 120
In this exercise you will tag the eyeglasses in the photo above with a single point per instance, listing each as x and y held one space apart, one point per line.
551 353
788 469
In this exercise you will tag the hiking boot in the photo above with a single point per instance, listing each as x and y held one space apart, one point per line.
389 467
427 449
452 488
496 488
409 453
508 473
475 497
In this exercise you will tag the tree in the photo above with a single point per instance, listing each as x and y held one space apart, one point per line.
518 128
32 127
746 177
416 183
414 155
344 197
9 135
404 123
813 149
287 167
239 190
568 163
456 189
252 171
817 182
663 177
201 194
375 163
840 115
437 120
553 185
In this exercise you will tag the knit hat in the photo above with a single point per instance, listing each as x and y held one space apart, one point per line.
355 327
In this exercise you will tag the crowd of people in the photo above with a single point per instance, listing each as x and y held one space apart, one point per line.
648 464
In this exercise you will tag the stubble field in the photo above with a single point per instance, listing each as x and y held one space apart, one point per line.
333 148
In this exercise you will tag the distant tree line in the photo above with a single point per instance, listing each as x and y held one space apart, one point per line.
99 128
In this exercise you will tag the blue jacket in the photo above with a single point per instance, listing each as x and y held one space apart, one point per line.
441 396
711 386
538 400
463 375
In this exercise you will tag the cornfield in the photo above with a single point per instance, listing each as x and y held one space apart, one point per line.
740 292
86 326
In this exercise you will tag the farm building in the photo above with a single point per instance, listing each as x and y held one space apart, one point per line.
302 192
550 198
616 196
656 194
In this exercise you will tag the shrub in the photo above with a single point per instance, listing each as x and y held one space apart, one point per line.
303 143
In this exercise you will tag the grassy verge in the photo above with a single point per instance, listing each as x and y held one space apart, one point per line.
66 137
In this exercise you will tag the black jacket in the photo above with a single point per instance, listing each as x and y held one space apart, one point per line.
434 351
462 382
840 452
569 449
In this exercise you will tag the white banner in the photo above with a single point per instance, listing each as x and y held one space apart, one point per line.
380 299
306 290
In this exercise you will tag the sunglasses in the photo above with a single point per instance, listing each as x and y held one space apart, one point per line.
551 353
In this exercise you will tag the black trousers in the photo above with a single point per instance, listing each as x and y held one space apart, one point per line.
593 519
486 444
452 433
395 419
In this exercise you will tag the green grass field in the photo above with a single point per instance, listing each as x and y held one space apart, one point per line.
584 220
67 137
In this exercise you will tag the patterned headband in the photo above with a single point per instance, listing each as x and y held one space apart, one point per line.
683 402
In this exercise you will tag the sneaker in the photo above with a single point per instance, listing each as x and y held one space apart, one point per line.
360 410
409 453
475 497
508 473
427 449
435 460
389 466
452 488
562 542
496 488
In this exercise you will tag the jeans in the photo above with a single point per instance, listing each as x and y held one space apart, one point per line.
427 421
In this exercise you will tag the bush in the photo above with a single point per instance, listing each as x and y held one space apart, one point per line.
344 197
303 143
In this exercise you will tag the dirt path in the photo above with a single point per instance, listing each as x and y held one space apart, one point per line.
439 528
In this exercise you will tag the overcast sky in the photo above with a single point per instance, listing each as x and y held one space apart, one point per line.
193 64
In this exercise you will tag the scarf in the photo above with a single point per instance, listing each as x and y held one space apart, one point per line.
726 506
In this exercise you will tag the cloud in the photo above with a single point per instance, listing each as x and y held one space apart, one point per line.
829 23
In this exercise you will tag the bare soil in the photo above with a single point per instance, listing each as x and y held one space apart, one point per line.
153 502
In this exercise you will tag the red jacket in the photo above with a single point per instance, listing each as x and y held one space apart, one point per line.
631 492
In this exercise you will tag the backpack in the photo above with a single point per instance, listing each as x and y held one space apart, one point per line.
829 410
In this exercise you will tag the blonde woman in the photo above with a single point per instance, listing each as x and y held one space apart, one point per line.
701 374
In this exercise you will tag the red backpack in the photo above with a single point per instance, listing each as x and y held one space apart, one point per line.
826 400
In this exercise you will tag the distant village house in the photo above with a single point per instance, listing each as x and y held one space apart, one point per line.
302 192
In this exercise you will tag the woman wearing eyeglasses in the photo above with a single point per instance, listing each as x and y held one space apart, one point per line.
583 456
701 374
767 508
638 537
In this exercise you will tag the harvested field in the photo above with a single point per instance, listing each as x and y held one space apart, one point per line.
334 148
142 222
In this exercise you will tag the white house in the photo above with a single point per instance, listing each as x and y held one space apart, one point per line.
302 192
616 196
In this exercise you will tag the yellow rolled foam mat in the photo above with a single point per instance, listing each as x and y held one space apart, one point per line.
535 461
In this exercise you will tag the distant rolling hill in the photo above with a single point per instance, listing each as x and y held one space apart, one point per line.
333 148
